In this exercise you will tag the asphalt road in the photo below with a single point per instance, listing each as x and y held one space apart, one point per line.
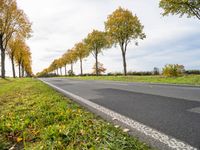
173 110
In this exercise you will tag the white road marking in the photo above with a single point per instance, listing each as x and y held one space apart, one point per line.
195 110
110 83
148 131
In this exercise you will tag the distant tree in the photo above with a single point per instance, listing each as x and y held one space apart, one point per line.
26 60
54 66
122 27
65 61
71 57
156 71
60 64
18 57
181 7
81 50
192 72
14 45
23 59
96 41
100 69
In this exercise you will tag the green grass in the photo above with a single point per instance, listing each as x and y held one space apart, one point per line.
189 79
33 116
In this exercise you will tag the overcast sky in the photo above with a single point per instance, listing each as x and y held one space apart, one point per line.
59 24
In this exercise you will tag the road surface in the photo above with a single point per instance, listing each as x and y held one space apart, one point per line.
172 110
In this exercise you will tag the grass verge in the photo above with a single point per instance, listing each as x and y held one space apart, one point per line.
189 79
34 116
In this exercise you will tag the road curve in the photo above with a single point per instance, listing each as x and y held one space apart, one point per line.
172 110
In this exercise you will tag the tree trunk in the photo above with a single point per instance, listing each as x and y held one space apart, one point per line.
124 62
2 57
19 70
22 70
96 57
13 67
24 75
72 68
81 67
61 71
57 71
65 70
3 63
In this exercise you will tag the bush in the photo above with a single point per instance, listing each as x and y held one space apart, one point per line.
173 70
71 73
100 69
192 71
114 74
141 73
47 75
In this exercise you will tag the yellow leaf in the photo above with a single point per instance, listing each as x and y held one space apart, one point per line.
19 139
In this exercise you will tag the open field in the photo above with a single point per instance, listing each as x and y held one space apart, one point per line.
34 116
189 79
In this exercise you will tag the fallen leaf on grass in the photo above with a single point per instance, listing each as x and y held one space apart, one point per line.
19 139
126 130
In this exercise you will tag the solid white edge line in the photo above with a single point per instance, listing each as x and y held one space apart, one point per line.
148 131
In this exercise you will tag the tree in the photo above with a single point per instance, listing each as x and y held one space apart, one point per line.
68 57
156 71
122 27
54 66
81 51
60 64
173 70
65 61
23 58
18 57
71 57
14 45
180 7
13 21
26 62
100 69
96 41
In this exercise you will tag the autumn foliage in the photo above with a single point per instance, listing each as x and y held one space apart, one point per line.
191 8
121 28
100 68
15 28
173 70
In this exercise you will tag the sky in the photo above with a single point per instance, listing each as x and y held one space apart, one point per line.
59 24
